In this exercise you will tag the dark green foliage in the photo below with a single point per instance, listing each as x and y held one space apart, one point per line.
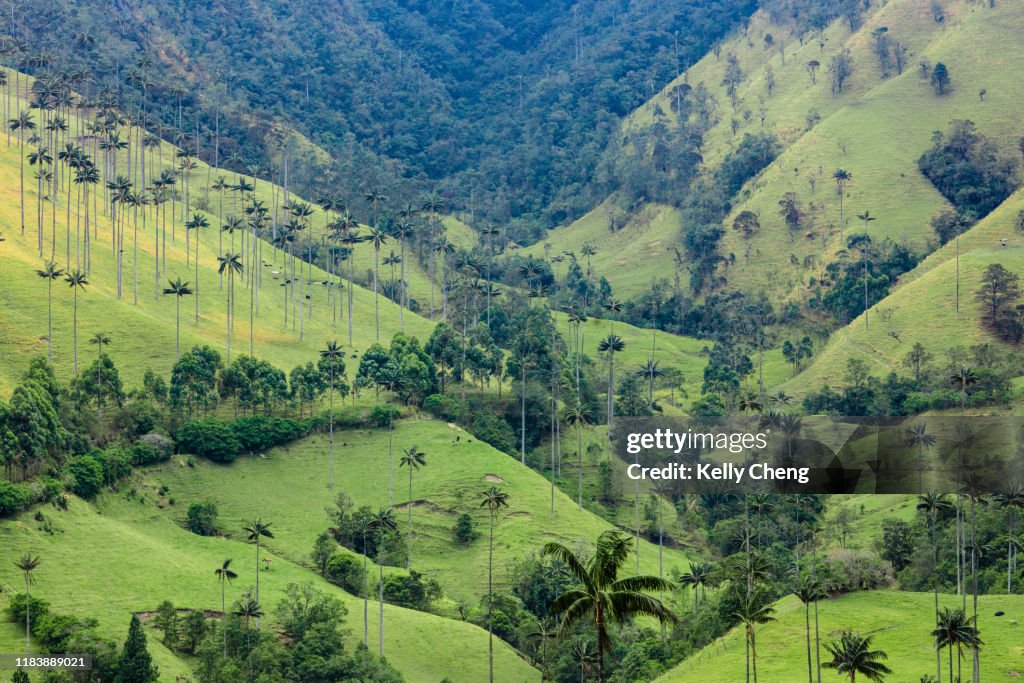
750 157
940 78
967 168
323 548
211 439
494 431
843 296
345 571
464 532
99 383
383 415
136 664
194 627
414 591
443 407
998 296
86 475
258 434
201 518
13 498
151 448
897 543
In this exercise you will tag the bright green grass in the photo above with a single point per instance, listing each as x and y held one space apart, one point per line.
123 556
869 511
903 622
458 469
630 259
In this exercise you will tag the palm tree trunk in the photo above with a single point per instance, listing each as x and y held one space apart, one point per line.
376 299
807 628
28 618
490 602
408 547
223 617
49 326
330 485
75 332
380 599
366 597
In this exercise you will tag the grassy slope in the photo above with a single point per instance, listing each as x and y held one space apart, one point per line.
903 621
458 468
122 556
143 334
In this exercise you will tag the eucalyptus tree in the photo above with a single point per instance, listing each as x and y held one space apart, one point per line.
49 272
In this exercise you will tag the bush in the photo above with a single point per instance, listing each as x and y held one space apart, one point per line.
382 415
443 407
151 448
86 472
16 608
258 434
13 498
413 591
851 570
493 430
343 570
136 418
202 518
464 530
211 439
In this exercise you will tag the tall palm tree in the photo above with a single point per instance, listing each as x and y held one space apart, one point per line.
100 340
493 499
918 436
22 123
433 204
754 609
1013 500
224 574
956 629
178 289
76 280
378 238
445 249
27 564
230 264
601 597
256 531
332 354
842 178
413 459
609 346
809 590
382 522
249 609
49 272
852 655
578 416
697 578
935 505
404 231
348 230
40 157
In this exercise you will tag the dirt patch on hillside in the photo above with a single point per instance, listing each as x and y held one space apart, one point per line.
494 479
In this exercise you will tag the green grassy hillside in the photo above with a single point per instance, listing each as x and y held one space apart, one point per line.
900 623
458 468
123 555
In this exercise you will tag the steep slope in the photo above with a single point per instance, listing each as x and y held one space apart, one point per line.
122 556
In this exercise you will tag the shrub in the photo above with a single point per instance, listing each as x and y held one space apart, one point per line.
382 415
443 407
86 472
492 430
136 418
851 570
258 434
13 498
464 530
343 570
211 439
202 518
413 591
151 448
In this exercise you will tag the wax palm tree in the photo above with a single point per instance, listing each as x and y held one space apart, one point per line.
256 531
249 609
22 123
413 459
754 609
230 264
100 340
198 222
601 597
433 204
445 249
493 499
935 505
404 231
842 178
76 281
27 564
1013 500
178 289
40 157
224 575
809 590
49 272
378 238
349 236
382 522
956 630
609 346
918 436
578 416
332 354
852 655
697 578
